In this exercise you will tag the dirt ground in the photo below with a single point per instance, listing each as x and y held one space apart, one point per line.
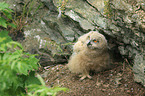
115 82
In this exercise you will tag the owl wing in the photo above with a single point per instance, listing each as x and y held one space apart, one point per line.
78 46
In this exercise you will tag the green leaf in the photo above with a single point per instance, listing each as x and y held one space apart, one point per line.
43 90
7 14
22 68
14 62
19 66
32 79
7 38
3 5
6 56
2 49
56 89
4 34
3 22
41 80
14 56
2 39
16 44
12 25
6 42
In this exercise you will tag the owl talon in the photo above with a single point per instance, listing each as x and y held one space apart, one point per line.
85 76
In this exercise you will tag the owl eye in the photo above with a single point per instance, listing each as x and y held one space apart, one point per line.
95 41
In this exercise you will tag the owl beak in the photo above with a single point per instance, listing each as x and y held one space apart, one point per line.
88 44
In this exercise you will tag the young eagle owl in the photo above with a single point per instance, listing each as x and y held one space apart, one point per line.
90 52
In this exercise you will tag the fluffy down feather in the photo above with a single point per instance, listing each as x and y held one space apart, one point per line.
90 52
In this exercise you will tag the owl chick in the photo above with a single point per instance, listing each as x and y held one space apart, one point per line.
90 52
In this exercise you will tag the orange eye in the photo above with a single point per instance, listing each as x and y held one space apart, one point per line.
95 41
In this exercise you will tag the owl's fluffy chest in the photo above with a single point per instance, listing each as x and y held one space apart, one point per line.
94 60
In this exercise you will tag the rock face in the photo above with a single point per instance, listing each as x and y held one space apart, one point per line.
58 23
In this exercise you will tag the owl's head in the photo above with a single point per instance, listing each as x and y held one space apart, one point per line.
96 40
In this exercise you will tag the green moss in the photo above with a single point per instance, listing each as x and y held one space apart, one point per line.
107 9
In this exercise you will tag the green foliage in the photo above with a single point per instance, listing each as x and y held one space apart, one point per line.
107 9
5 15
28 8
17 68
61 7
62 4
15 65
6 42
43 90
16 24
17 71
